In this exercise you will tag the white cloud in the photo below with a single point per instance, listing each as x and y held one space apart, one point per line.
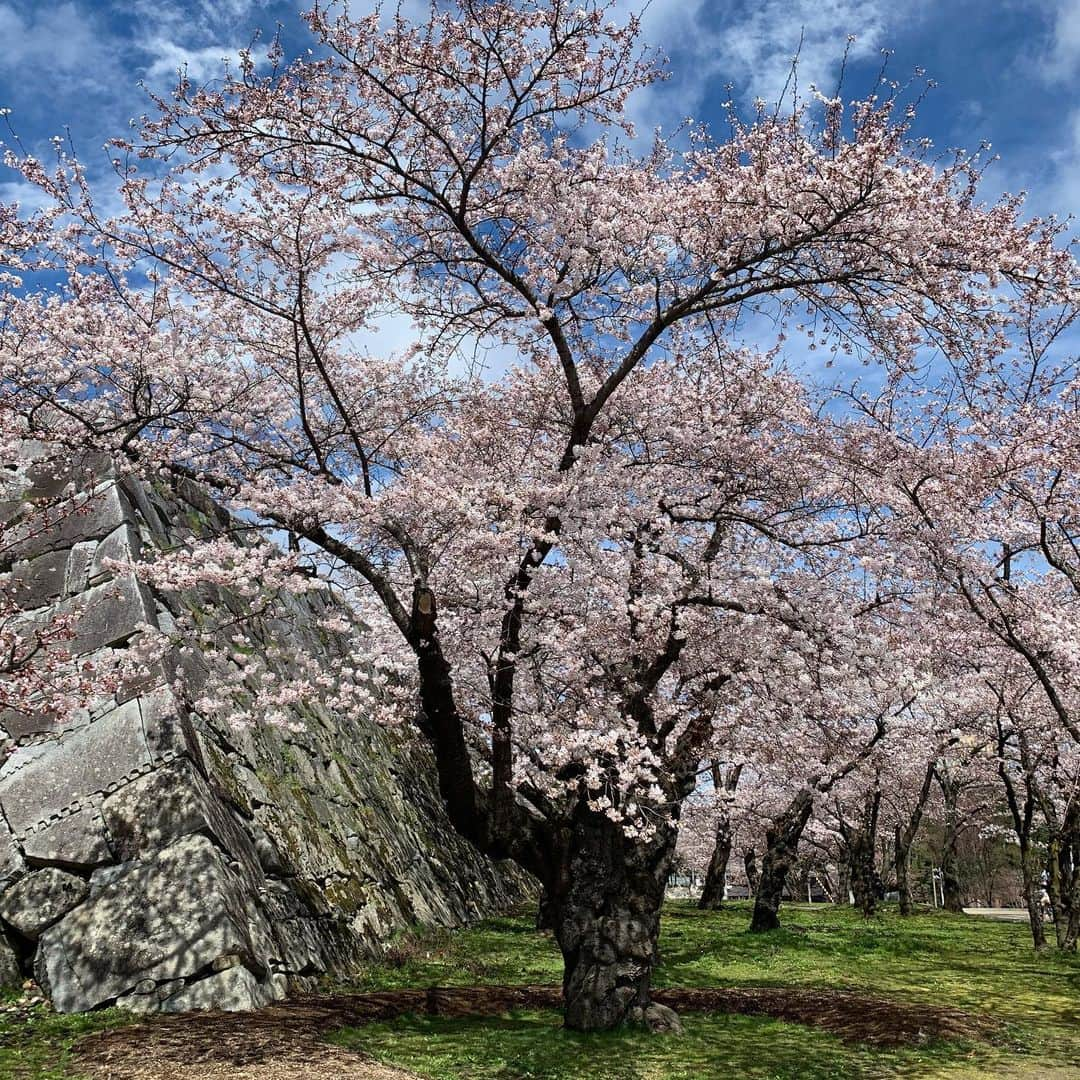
1062 192
1062 61
61 43
27 196
202 64
751 45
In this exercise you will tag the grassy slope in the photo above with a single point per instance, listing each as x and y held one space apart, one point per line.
977 965
37 1044
980 966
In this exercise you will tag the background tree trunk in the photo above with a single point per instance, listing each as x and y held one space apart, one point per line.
753 878
862 845
1063 865
1032 897
724 784
905 839
712 893
862 873
903 880
1022 815
782 842
843 879
950 882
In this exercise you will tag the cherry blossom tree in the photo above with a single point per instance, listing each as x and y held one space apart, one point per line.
572 565
1039 768
835 699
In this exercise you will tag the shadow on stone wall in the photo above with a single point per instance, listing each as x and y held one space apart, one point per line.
153 859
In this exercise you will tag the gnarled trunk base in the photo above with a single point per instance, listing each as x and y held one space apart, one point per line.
607 918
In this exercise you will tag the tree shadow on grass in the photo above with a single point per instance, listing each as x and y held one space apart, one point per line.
532 1045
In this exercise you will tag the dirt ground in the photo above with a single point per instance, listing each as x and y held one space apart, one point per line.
285 1041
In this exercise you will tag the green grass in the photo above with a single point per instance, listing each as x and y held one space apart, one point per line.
981 966
534 1045
37 1045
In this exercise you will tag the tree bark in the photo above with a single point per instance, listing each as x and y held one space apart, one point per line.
861 840
750 866
1032 899
1022 814
843 880
724 785
950 881
800 883
712 893
905 839
1070 872
903 879
782 842
1063 865
546 912
606 903
862 874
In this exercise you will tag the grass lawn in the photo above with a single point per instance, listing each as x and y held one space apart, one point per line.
35 1044
980 966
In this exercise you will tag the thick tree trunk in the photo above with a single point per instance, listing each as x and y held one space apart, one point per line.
607 900
843 880
950 881
903 878
712 893
725 784
751 868
863 883
782 842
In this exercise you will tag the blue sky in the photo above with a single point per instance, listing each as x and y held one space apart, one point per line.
1005 69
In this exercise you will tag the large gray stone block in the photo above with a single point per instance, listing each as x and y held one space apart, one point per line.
105 616
87 517
77 572
166 918
40 783
37 582
76 841
40 899
10 973
108 615
50 472
121 545
173 801
165 727
233 990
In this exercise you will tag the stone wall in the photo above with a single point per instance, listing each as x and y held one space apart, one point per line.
154 859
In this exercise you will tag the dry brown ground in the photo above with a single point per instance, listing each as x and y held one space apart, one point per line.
286 1041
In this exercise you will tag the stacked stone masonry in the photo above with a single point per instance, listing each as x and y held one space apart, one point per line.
157 860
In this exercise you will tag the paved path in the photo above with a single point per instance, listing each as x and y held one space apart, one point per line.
1002 914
